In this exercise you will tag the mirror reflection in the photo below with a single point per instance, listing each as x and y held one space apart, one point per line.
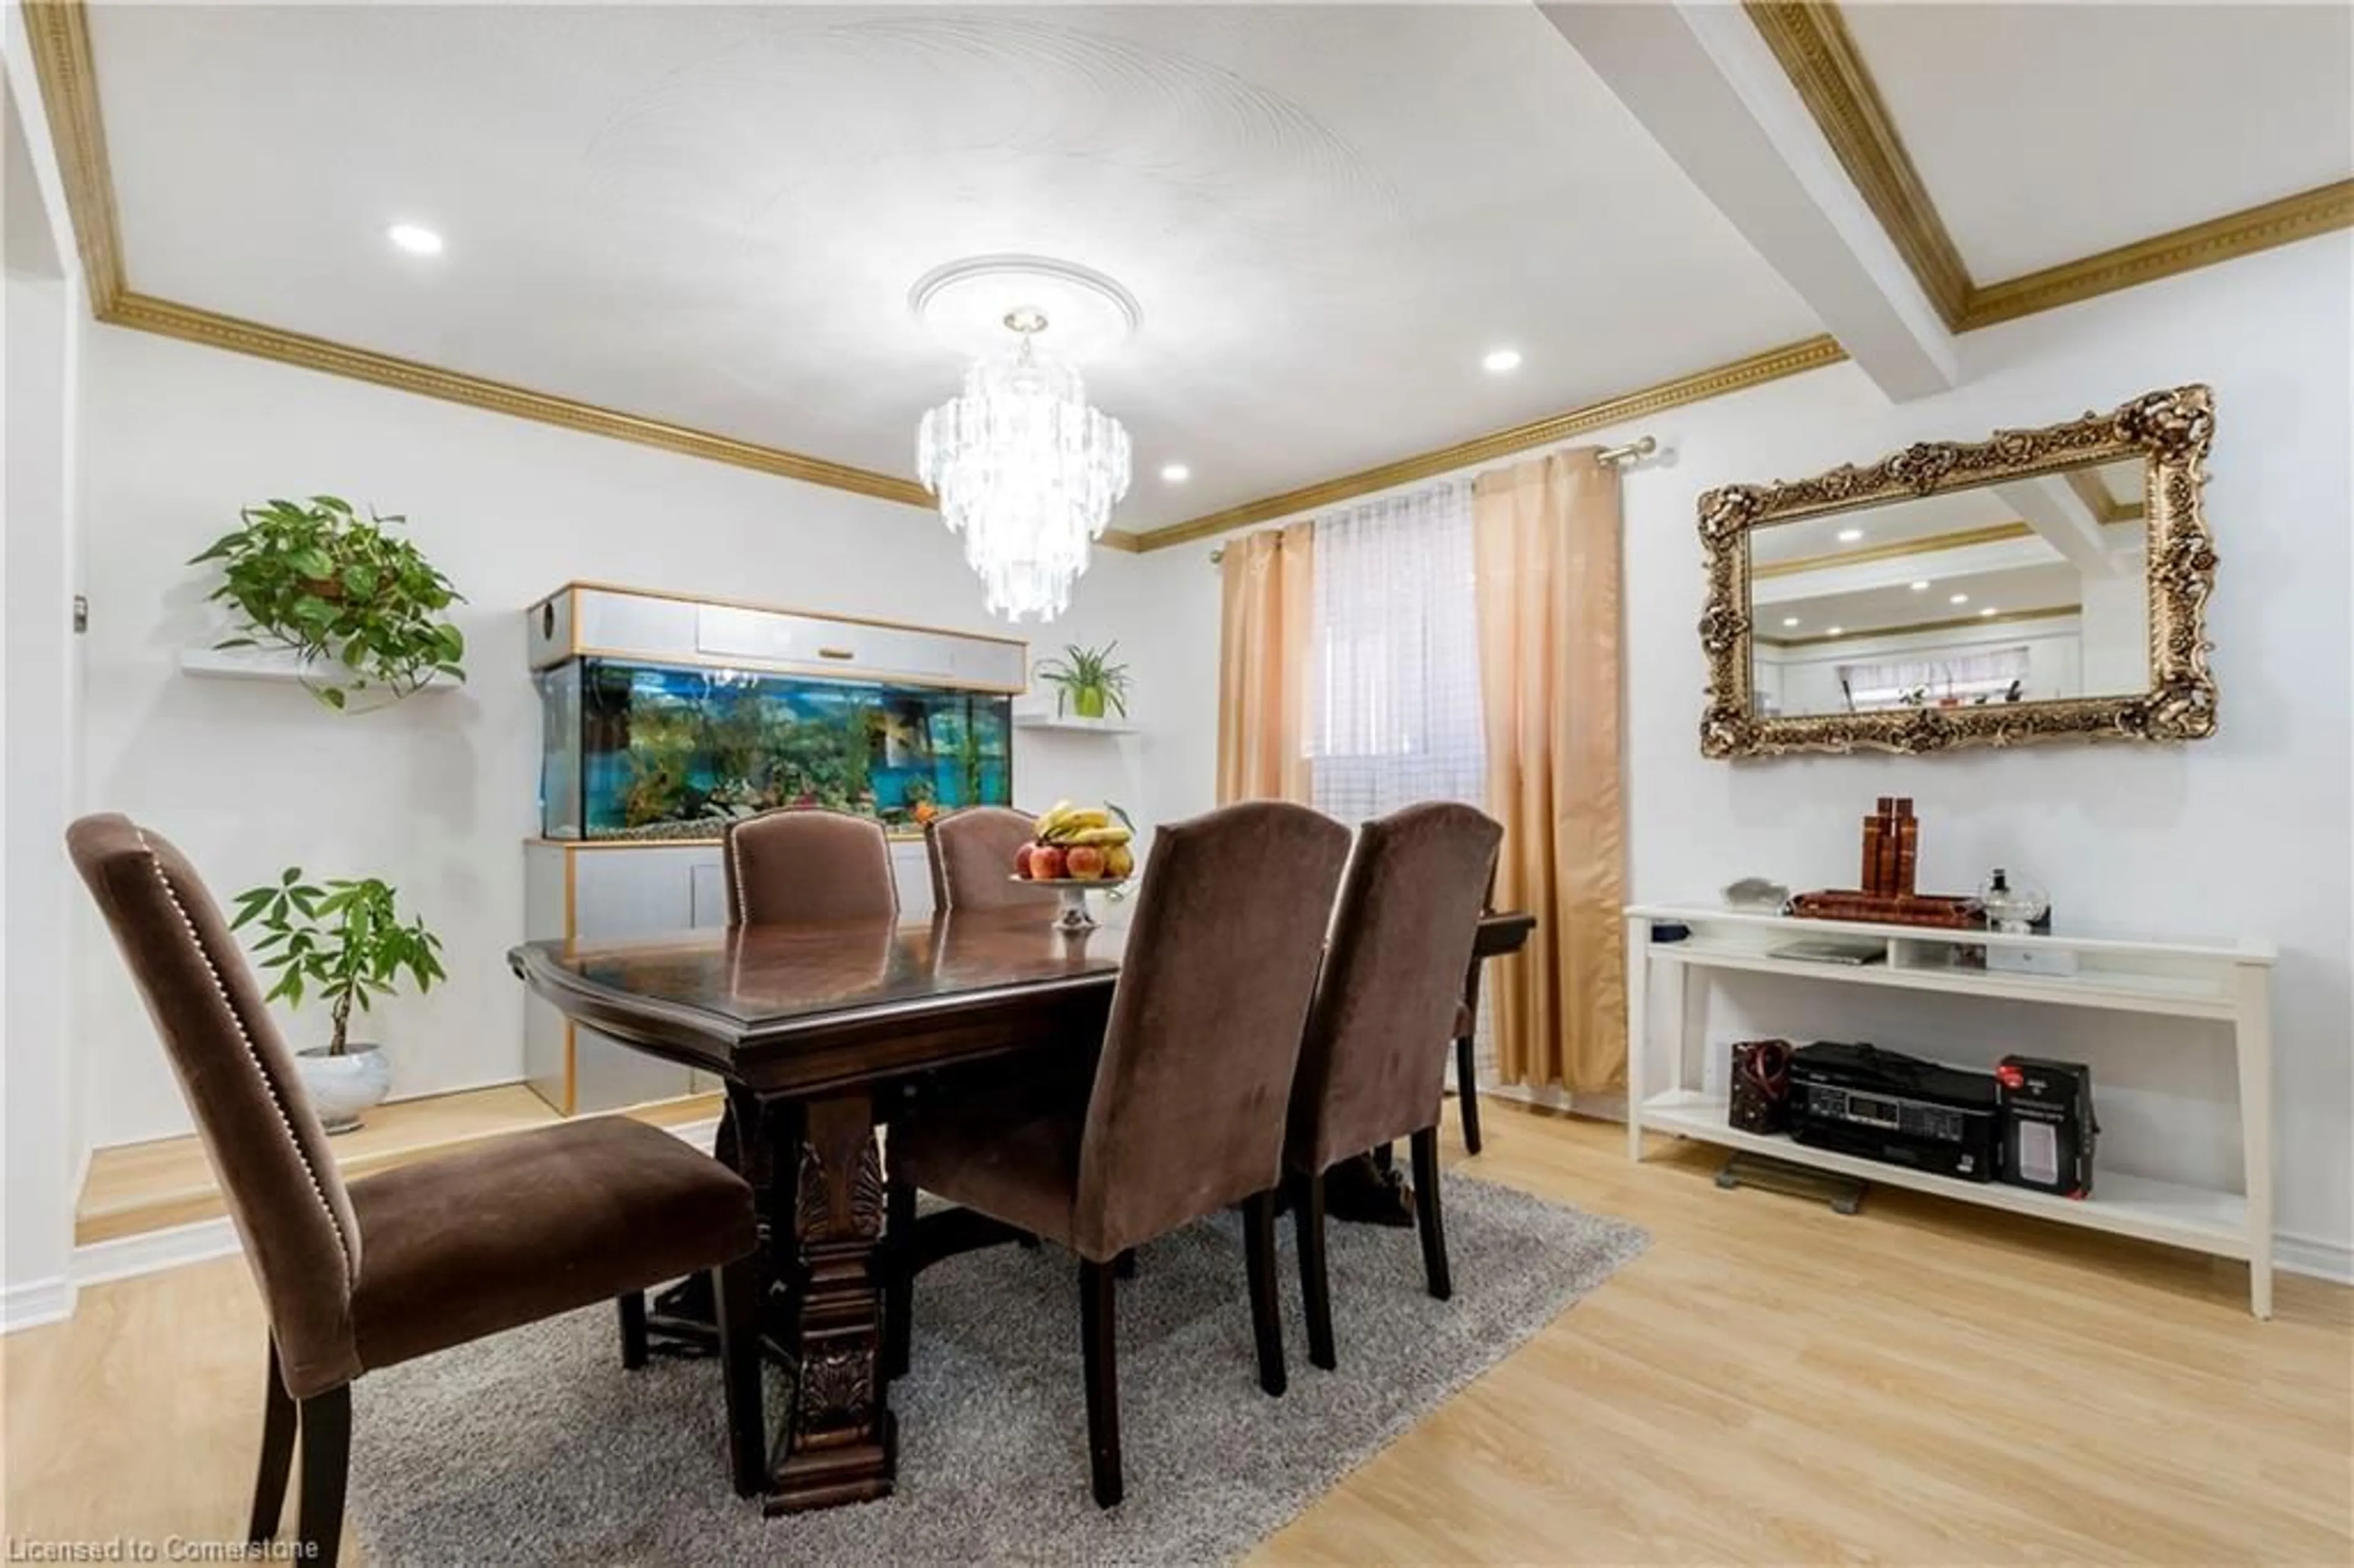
2024 590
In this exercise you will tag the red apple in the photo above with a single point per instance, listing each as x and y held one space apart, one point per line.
1047 862
1084 861
1021 859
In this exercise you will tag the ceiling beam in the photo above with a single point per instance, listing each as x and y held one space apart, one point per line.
1818 56
1705 85
2049 504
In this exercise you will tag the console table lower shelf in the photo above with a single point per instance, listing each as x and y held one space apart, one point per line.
2225 983
2196 1217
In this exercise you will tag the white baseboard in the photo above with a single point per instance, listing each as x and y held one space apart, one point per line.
35 1302
151 1250
50 1300
2313 1258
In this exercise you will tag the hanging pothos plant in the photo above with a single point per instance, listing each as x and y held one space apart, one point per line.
361 607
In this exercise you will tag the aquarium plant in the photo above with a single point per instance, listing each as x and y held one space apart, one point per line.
1089 680
361 605
346 941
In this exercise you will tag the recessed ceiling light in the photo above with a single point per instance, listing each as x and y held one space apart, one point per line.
1502 359
1922 586
415 238
1987 611
1175 472
1850 535
1833 631
1959 598
1790 620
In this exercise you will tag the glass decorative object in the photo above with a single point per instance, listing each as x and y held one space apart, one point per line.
1026 471
2012 905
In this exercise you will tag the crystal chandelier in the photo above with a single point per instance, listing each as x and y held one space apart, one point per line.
1026 471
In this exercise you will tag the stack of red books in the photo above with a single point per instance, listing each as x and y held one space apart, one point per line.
1892 853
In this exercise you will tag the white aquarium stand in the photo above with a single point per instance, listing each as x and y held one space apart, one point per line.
2229 984
1036 720
278 664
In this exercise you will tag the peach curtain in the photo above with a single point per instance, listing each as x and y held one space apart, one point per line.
1546 565
1267 606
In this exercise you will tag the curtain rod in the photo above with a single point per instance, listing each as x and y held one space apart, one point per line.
1635 451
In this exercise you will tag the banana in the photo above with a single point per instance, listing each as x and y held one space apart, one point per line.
1074 829
1104 836
1044 828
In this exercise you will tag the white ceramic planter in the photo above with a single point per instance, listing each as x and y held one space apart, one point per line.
345 1089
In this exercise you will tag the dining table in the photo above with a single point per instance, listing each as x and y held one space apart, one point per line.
817 1032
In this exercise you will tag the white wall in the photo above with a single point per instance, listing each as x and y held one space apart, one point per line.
2246 834
437 794
41 331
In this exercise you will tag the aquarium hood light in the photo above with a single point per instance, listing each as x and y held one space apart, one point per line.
1025 470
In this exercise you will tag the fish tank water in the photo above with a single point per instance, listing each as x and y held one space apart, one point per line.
641 749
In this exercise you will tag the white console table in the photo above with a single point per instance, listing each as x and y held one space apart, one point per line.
2230 984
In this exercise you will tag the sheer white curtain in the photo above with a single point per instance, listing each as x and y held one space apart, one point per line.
1393 696
1933 676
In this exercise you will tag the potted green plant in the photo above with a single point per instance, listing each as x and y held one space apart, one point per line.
346 942
1089 680
360 607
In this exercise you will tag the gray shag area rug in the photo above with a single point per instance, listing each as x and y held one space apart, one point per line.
535 1447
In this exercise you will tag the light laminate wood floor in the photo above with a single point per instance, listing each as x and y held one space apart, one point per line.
1924 1383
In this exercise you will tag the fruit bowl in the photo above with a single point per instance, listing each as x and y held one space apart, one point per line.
1075 849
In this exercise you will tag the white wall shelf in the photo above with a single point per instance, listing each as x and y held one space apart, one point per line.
2228 982
276 664
1035 720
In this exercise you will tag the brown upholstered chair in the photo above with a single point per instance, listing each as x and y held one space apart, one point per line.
808 864
1465 1037
972 859
797 862
1374 1064
412 1260
1184 1115
1467 1065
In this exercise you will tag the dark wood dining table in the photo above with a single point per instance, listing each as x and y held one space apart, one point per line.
817 1030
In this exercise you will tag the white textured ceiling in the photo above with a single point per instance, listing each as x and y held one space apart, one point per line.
714 216
2046 132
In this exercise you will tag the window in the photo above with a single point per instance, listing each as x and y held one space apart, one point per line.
1394 711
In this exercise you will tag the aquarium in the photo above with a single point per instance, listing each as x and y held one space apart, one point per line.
636 748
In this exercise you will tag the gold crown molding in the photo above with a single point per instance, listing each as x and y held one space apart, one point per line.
1992 534
59 36
2106 509
1790 359
216 331
2301 217
1819 56
1919 627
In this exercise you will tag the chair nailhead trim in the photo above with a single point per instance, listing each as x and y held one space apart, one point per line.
254 1058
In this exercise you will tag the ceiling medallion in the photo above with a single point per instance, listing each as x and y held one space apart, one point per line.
1023 468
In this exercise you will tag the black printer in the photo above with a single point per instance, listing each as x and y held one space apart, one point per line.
1881 1105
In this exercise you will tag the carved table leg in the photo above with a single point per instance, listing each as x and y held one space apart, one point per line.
840 1442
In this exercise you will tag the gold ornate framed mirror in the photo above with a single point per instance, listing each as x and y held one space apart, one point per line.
2040 585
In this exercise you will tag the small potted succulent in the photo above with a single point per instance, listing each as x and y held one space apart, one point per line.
1088 679
361 607
346 942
